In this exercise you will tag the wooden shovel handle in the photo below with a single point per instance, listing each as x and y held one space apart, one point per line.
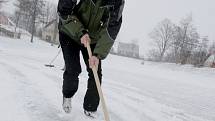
98 85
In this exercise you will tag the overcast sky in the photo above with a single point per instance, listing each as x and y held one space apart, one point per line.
141 16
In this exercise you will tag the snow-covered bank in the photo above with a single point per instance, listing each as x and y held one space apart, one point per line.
134 92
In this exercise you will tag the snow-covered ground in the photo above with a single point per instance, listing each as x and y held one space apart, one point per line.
29 91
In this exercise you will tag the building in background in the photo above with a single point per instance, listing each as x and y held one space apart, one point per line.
8 27
128 50
50 32
210 62
5 20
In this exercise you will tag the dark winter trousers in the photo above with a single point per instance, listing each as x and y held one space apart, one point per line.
71 52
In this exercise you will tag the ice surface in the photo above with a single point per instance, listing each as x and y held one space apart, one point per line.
29 91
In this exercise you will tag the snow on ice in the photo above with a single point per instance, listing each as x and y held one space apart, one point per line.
29 91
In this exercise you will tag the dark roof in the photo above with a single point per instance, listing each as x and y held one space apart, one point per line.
50 23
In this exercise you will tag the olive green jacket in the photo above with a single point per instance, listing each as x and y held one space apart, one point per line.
94 19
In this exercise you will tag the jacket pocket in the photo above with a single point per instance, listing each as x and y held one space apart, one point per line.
72 27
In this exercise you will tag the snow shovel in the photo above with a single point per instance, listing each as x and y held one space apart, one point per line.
98 85
51 62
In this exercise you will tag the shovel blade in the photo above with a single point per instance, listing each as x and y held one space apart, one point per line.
49 65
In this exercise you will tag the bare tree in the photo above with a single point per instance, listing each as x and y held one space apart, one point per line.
21 10
153 55
28 14
37 13
186 38
200 54
163 36
22 14
49 9
2 1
